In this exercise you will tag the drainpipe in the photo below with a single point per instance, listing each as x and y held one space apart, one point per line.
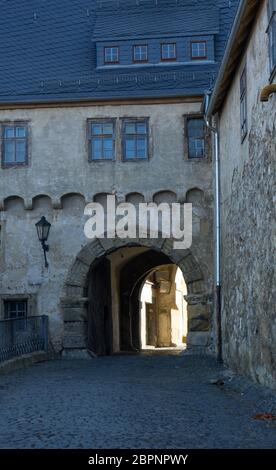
215 131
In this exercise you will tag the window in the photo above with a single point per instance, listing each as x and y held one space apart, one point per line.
101 140
271 7
272 44
140 53
111 55
15 309
168 51
14 144
243 104
198 50
196 137
135 140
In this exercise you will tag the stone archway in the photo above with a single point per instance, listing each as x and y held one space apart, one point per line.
74 299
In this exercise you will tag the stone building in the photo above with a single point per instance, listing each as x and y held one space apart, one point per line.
244 107
100 98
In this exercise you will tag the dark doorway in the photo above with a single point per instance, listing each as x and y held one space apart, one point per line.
132 278
100 310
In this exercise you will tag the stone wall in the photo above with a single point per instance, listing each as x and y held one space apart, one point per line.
248 220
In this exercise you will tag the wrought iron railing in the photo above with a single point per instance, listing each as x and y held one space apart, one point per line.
23 336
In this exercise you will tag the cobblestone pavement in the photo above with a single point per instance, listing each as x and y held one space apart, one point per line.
130 402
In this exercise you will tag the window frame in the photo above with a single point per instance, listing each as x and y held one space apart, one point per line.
118 55
91 121
243 104
205 57
20 322
14 124
207 153
16 301
126 120
271 31
135 61
30 298
162 44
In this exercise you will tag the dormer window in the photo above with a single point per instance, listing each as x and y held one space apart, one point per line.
199 50
111 55
140 53
168 51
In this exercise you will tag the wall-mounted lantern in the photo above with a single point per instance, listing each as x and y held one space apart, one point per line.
43 229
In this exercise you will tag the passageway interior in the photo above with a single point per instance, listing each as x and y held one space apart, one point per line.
136 302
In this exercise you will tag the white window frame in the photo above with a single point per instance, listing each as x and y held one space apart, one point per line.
114 56
140 57
196 53
168 46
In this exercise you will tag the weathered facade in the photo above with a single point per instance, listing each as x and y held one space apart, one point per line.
69 79
247 159
60 194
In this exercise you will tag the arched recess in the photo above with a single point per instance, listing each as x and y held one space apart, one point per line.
195 196
135 198
74 298
14 204
73 203
42 204
165 196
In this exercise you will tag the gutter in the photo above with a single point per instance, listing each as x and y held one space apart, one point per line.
231 41
215 131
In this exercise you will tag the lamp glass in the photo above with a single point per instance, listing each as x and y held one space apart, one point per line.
43 229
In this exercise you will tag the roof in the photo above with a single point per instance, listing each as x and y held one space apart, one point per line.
241 30
169 21
47 51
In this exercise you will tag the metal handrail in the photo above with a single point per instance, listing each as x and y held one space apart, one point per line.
19 336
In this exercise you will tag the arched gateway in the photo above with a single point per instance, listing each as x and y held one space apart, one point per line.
90 288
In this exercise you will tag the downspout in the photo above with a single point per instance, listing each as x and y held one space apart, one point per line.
215 131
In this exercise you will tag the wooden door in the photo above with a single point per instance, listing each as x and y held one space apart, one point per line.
100 310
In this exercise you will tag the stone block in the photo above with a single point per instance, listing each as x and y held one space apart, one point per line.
111 244
75 314
198 311
199 324
74 342
174 255
91 252
197 287
78 274
188 264
192 276
195 299
75 328
73 291
154 243
198 338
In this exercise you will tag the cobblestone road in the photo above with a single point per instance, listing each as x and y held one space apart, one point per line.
129 402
